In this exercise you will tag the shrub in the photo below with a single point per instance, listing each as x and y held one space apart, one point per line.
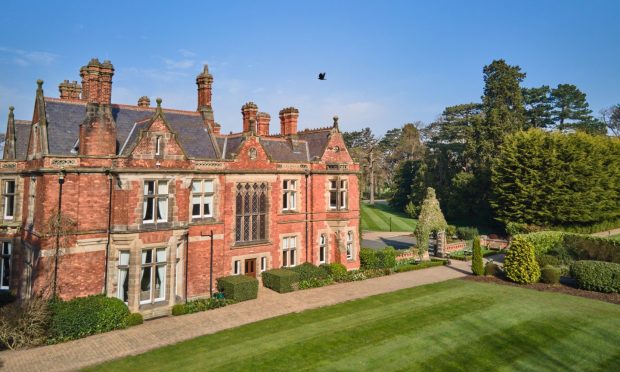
514 228
238 287
597 275
24 324
84 316
544 241
491 269
467 232
202 304
337 271
411 210
315 283
134 319
179 309
520 263
308 271
587 247
548 260
476 264
6 298
280 280
550 275
451 231
419 266
368 258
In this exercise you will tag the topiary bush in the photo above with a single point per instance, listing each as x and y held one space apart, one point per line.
179 309
548 260
368 258
476 262
520 263
238 287
336 271
24 324
84 316
550 275
596 275
491 269
467 232
280 280
308 271
134 319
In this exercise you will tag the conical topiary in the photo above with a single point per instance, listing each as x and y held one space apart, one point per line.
430 219
476 261
520 263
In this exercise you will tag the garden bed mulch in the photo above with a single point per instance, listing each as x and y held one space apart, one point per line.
565 288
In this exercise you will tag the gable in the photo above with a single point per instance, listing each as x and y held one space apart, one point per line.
155 140
336 150
251 154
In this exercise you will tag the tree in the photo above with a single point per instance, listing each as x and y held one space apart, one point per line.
477 266
410 145
520 263
569 106
431 219
361 146
538 107
611 117
408 184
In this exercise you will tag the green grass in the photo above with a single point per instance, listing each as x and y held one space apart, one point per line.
615 237
377 218
454 325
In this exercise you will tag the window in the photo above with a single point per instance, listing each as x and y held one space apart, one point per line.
237 267
289 250
250 212
32 194
158 145
9 199
155 201
263 264
338 194
350 245
202 198
5 265
323 249
153 276
178 289
123 276
289 195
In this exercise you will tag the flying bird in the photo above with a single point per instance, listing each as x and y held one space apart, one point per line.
322 76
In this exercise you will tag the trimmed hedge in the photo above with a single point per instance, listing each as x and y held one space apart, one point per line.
491 269
543 241
550 275
419 266
336 271
520 263
315 283
280 280
84 316
238 287
377 259
202 304
467 232
577 246
134 319
597 275
308 271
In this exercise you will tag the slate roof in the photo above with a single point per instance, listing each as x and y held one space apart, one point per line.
317 141
22 136
285 150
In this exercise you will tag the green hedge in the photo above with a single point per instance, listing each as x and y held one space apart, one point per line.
280 280
377 259
544 241
419 266
577 246
238 287
597 275
85 316
134 319
202 304
550 275
467 233
315 283
336 271
308 271
491 269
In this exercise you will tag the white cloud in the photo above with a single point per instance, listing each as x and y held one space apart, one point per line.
180 64
187 53
25 58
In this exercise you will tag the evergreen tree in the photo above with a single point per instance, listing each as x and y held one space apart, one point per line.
477 266
569 106
407 174
538 107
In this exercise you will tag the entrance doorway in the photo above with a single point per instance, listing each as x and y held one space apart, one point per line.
250 267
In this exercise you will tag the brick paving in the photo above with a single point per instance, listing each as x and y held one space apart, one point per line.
170 330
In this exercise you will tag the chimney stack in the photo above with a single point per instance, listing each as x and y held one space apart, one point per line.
263 119
288 121
217 129
204 82
249 112
144 101
97 81
70 91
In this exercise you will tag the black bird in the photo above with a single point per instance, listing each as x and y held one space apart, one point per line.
322 76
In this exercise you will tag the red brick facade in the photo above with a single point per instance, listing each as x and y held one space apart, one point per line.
157 187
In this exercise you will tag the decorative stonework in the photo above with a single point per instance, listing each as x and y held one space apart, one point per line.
292 166
337 167
64 162
209 164
8 165
252 153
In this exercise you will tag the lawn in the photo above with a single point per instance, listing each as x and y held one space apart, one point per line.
377 218
615 237
454 325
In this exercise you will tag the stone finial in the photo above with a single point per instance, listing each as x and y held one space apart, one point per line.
40 84
158 100
11 108
336 122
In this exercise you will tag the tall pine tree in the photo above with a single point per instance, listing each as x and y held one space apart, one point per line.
570 106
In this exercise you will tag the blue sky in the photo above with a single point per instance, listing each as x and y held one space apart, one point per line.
387 62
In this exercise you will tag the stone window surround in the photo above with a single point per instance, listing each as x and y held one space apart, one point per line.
6 195
249 256
328 189
325 232
297 247
297 192
215 180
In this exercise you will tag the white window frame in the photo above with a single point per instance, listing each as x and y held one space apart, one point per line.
154 266
289 195
263 264
340 188
289 251
6 197
350 245
5 259
155 199
205 196
122 267
323 248
237 267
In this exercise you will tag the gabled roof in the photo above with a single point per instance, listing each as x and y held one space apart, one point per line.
22 136
317 141
285 149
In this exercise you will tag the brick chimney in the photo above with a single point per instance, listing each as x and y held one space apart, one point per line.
70 91
288 121
64 88
144 101
263 119
249 112
204 82
97 81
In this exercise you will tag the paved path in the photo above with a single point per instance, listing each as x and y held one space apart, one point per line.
165 331
380 239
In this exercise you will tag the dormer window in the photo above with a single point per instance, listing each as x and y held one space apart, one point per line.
158 145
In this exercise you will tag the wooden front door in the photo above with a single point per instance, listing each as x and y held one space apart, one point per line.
250 267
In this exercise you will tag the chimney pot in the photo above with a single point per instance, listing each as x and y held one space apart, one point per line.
288 121
263 123
249 112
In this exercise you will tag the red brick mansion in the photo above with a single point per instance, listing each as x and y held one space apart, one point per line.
156 204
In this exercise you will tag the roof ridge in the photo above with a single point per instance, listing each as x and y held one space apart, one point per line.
127 106
312 130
